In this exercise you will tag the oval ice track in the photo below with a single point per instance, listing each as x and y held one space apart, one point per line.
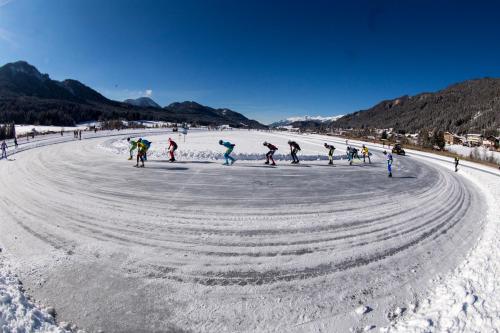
319 239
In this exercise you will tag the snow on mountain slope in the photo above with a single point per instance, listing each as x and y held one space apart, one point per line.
143 102
290 120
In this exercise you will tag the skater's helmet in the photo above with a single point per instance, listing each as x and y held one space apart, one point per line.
265 143
289 141
169 139
385 153
326 144
128 139
140 140
221 142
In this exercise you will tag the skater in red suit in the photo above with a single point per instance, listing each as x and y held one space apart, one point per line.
269 155
171 149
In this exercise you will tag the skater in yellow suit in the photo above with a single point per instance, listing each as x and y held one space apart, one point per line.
141 152
366 154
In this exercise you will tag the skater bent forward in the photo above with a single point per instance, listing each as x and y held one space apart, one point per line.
133 146
141 152
294 149
331 149
227 154
366 154
172 147
269 155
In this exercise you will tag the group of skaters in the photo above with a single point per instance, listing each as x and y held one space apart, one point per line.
353 152
143 145
77 134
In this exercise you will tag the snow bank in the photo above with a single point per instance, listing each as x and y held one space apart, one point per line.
17 312
481 152
23 129
467 299
249 147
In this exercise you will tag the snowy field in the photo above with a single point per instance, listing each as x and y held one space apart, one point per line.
198 247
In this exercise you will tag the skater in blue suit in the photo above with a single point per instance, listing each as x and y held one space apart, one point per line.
147 144
389 163
227 154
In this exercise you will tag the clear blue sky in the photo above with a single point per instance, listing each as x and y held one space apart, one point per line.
267 59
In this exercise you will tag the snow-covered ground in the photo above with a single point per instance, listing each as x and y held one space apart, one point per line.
195 246
19 314
480 152
468 298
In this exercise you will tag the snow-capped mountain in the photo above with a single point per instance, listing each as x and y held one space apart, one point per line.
143 102
291 120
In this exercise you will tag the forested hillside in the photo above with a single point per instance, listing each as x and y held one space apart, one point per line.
470 106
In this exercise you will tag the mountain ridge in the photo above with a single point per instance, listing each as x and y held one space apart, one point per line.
471 105
28 96
142 102
290 120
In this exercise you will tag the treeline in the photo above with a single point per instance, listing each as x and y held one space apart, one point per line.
7 131
63 113
30 110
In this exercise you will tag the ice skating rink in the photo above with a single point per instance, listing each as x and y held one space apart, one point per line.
194 246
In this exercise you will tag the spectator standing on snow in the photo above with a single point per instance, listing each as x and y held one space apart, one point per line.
389 162
15 143
456 164
294 149
172 147
331 149
366 154
80 134
227 155
4 150
269 156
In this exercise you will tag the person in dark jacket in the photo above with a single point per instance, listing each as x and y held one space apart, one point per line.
294 149
331 149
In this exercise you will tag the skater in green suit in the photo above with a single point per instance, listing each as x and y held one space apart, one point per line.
133 146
